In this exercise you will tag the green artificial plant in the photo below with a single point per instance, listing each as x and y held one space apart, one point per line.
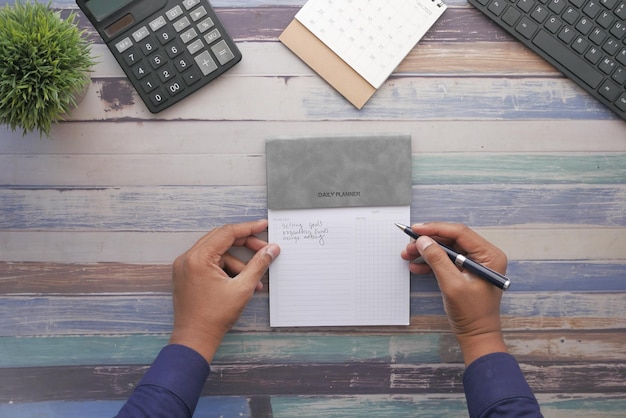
44 65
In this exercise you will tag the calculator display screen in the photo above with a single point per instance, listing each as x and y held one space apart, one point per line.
101 9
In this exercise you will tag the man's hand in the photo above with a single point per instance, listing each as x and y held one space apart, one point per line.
207 301
471 303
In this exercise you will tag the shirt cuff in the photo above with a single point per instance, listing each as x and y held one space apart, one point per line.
180 370
491 379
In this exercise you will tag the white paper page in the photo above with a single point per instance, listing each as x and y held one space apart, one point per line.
339 266
371 36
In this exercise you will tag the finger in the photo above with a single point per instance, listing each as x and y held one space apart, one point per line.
445 271
254 270
221 239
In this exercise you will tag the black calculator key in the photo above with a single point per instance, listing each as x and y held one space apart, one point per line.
183 63
149 83
158 98
175 87
191 76
131 56
157 60
165 73
148 46
140 71
166 35
174 49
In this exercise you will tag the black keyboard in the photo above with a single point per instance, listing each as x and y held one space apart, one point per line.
584 39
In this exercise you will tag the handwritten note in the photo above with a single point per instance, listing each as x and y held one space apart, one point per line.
339 266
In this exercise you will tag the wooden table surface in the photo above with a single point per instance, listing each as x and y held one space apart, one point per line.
91 219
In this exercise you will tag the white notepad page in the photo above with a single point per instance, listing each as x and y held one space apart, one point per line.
371 36
339 267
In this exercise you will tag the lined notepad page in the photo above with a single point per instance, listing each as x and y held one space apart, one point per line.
371 36
338 267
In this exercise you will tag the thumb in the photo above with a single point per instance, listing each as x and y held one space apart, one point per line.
437 259
257 266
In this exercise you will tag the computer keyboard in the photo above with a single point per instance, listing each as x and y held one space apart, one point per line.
584 39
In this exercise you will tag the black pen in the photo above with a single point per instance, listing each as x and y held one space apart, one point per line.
460 260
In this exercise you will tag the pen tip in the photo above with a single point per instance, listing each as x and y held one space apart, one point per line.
400 225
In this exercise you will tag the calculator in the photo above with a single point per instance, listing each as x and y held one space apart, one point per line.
168 48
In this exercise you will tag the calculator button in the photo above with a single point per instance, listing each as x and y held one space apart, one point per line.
212 36
148 46
191 76
123 45
175 87
205 25
166 36
140 34
181 24
174 49
182 64
158 98
166 73
195 46
222 52
148 84
157 60
131 56
198 14
157 23
174 12
190 3
140 71
206 63
189 35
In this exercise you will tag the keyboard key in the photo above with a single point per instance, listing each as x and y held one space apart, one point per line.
594 55
526 28
619 76
497 7
592 9
568 59
567 35
621 102
511 15
557 6
609 90
553 24
540 14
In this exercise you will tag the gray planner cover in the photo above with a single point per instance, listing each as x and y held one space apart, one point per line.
342 171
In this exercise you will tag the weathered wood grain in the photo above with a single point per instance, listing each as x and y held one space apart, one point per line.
37 278
335 346
140 314
115 382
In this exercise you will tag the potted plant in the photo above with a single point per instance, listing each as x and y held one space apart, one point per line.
44 66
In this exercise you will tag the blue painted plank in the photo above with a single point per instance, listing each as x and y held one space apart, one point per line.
55 315
202 208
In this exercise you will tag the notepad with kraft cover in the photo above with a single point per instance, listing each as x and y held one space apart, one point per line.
354 45
332 205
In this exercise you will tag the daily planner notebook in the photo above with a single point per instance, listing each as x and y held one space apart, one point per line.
332 205
356 45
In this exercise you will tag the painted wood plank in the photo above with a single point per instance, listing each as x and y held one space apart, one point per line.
196 169
520 242
110 382
35 279
400 98
186 208
312 347
248 137
140 314
356 406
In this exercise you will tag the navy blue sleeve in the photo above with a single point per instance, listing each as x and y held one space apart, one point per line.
171 387
495 387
